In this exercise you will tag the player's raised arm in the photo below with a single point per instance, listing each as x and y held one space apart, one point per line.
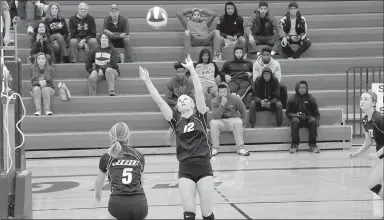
199 95
164 107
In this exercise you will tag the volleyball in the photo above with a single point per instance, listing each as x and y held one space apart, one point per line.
157 17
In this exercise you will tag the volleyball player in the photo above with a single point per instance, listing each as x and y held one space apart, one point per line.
125 166
373 123
188 133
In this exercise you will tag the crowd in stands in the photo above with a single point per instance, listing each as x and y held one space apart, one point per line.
239 85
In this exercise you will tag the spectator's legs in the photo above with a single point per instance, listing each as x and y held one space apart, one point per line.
243 87
36 94
288 50
277 107
295 127
128 50
92 43
111 76
218 79
236 126
73 49
241 42
276 42
32 14
216 126
50 59
47 94
233 86
251 48
254 107
283 94
304 45
62 46
312 128
93 79
217 42
187 42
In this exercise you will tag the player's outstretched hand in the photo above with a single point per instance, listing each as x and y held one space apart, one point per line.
188 63
351 155
144 75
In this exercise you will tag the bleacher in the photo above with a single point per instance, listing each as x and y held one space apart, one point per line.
344 34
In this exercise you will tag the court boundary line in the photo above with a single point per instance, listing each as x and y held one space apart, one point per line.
232 204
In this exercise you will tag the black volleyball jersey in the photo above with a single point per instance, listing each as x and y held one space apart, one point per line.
191 137
375 129
124 174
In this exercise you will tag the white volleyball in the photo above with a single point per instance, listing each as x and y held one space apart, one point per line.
157 17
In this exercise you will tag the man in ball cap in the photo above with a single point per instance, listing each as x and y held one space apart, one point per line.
295 28
117 28
259 30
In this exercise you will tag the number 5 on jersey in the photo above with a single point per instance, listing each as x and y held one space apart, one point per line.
189 127
127 176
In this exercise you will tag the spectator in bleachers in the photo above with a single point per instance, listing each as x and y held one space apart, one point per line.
82 30
41 43
34 13
58 30
207 71
295 28
266 97
302 110
178 85
225 108
259 30
197 30
5 23
231 26
12 9
102 64
41 75
266 60
117 28
237 73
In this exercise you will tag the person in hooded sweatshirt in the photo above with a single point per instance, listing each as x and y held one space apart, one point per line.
197 30
82 29
207 71
58 30
265 97
260 30
302 111
102 64
231 26
266 60
225 108
238 73
179 85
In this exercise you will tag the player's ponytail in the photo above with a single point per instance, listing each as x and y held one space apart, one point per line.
119 135
170 137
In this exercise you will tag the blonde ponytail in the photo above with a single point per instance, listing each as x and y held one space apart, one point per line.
170 137
119 135
116 150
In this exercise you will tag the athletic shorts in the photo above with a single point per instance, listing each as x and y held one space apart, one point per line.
195 171
134 207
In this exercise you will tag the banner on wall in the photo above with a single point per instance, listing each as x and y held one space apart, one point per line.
378 88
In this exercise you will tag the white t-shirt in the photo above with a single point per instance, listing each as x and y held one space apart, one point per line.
292 31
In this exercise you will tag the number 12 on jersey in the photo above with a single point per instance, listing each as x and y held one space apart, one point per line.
189 127
126 178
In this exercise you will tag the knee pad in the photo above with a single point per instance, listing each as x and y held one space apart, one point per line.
376 189
211 217
189 216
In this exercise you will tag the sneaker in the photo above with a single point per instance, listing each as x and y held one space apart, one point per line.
243 152
30 30
214 152
48 113
294 149
314 149
38 113
217 57
112 93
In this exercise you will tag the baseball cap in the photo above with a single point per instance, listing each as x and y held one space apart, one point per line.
114 6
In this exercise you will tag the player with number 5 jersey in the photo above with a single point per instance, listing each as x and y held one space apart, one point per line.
188 133
124 166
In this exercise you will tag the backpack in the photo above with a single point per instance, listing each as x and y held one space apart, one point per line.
64 93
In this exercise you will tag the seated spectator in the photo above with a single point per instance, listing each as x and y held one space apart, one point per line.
295 28
178 85
238 73
41 43
197 30
260 28
302 111
102 64
5 23
41 75
231 26
34 13
12 10
117 28
265 97
58 30
225 108
207 72
266 60
82 30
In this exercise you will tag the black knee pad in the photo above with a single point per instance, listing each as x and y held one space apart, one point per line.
211 217
189 216
376 189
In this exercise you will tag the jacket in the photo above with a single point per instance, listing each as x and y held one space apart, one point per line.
237 68
266 90
57 25
48 77
301 24
122 26
230 25
253 26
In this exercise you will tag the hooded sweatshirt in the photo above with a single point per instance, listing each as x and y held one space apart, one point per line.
302 103
207 72
57 26
230 109
197 28
177 87
231 25
266 90
237 68
103 58
82 28
273 64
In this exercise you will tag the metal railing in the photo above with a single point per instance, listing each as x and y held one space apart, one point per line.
359 80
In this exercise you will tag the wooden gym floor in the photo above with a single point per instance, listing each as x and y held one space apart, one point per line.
264 185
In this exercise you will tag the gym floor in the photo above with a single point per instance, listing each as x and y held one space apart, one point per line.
264 185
